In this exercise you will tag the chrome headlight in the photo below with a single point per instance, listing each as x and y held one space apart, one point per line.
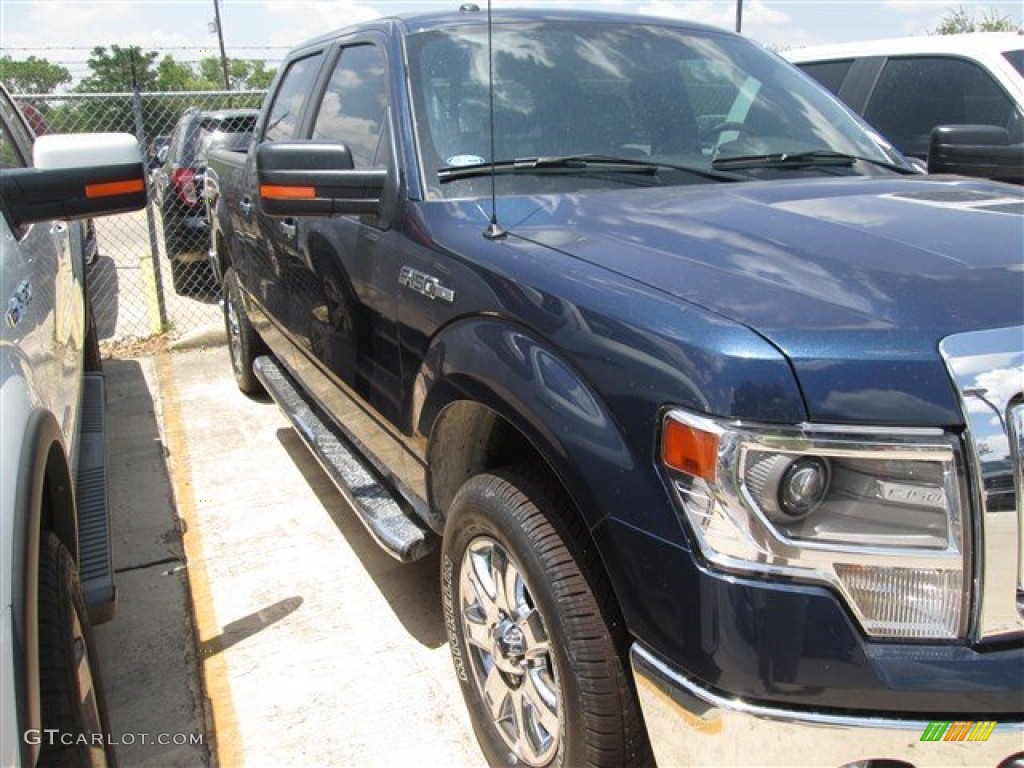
877 514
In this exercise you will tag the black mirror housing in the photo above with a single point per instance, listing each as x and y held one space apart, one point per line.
34 194
976 150
76 176
312 178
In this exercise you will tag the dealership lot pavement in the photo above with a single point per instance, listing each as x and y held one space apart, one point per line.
313 646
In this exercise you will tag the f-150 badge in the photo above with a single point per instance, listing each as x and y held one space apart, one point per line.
426 284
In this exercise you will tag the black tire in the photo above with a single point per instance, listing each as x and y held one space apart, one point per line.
71 686
92 359
180 276
244 343
551 648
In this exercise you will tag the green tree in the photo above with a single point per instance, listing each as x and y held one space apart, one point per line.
959 21
172 75
243 74
120 70
33 75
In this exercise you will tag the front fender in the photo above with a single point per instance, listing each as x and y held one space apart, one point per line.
513 372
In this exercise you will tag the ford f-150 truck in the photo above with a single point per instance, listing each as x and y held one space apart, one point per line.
57 571
710 401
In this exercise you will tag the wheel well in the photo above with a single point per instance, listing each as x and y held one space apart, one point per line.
44 502
467 439
58 506
223 258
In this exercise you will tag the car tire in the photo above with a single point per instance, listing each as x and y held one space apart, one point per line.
91 357
244 343
72 704
534 629
180 276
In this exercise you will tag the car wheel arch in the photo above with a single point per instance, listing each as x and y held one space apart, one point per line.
44 500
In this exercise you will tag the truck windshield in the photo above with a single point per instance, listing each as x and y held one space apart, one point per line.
671 95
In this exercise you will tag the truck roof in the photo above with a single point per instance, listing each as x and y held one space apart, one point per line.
426 21
967 44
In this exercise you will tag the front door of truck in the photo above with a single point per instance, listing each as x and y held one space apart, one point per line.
343 291
268 243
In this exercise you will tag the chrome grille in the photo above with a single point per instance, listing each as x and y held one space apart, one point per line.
987 368
1016 425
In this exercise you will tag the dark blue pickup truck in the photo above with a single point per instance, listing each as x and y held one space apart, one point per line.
712 403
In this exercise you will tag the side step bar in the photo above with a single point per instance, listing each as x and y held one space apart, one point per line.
96 563
394 529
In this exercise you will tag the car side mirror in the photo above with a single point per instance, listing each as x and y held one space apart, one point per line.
161 154
976 150
76 176
313 178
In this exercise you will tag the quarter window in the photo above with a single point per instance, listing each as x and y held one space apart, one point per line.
355 105
830 74
286 111
915 94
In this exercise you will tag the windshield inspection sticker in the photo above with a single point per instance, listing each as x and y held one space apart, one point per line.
460 161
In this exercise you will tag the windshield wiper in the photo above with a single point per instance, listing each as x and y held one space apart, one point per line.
818 158
584 163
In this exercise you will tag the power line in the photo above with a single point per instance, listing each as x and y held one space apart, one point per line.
158 49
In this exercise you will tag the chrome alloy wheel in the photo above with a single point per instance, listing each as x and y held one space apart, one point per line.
510 652
234 331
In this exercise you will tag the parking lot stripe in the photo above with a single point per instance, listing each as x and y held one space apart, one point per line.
222 728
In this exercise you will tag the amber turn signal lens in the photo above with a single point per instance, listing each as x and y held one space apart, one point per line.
111 188
278 192
689 450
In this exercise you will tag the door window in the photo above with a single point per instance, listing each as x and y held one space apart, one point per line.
286 111
355 105
915 94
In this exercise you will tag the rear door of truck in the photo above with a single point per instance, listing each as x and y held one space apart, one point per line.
343 270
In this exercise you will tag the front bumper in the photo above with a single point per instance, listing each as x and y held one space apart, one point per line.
689 725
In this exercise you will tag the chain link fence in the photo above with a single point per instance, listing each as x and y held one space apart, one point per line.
148 274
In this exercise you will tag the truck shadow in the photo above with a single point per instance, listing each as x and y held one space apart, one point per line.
412 590
147 652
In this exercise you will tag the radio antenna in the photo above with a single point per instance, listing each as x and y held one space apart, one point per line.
493 231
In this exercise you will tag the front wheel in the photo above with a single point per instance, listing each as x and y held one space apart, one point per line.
530 616
71 693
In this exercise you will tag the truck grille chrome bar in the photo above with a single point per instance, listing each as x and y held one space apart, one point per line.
987 368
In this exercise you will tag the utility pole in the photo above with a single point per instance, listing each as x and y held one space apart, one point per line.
739 15
220 38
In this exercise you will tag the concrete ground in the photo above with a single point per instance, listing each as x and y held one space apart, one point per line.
147 652
314 647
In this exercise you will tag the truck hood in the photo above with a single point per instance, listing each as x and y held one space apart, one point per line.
852 279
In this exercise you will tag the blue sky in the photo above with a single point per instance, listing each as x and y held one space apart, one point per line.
65 31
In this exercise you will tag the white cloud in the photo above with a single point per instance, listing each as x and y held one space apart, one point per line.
757 14
67 31
300 20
